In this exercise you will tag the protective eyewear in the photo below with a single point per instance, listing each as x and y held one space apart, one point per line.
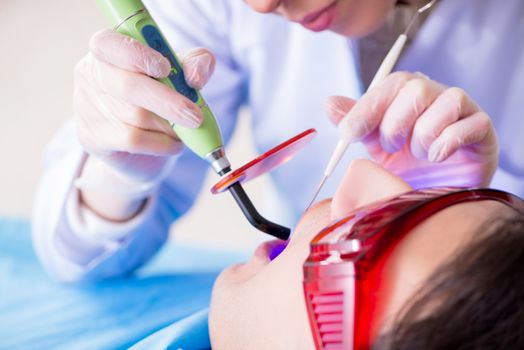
340 274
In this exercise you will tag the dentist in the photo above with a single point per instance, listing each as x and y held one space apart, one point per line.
117 176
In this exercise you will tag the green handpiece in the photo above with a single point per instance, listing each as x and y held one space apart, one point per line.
130 17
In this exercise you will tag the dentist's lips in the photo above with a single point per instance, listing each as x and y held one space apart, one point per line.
320 20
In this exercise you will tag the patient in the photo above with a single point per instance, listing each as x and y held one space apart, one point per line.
455 281
451 280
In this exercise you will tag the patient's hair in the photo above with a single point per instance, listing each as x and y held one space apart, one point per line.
475 301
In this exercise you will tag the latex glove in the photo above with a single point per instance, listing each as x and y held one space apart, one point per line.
427 133
122 112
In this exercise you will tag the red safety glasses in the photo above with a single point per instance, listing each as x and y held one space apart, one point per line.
340 274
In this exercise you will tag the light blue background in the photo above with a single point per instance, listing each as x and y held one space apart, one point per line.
163 305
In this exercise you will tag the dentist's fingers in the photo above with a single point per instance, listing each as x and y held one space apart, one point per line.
198 65
367 114
126 138
475 132
410 103
141 118
337 107
140 90
102 133
113 110
127 53
451 105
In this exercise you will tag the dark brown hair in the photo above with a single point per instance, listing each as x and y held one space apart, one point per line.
474 301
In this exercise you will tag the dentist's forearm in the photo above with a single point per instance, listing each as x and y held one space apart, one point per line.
109 194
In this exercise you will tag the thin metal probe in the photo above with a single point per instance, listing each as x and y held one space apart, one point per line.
383 71
317 191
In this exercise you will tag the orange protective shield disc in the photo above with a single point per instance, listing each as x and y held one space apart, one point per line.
265 162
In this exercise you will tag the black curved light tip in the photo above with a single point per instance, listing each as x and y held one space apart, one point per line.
254 217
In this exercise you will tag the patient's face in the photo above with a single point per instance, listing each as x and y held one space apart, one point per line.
260 304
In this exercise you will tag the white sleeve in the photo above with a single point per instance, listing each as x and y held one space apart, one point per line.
72 242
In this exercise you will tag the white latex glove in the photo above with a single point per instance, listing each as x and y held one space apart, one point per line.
427 133
122 112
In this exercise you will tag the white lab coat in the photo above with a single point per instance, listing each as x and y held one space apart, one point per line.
284 73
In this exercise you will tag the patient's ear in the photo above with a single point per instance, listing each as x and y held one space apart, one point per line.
365 182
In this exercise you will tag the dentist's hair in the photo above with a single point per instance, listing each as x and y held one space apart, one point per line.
474 301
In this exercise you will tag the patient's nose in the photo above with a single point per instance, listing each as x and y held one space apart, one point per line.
365 182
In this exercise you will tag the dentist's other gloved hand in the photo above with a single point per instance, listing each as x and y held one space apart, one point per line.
122 112
423 131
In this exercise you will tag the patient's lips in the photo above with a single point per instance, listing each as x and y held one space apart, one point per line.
277 249
268 251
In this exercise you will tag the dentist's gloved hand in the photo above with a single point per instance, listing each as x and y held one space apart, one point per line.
122 112
427 133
